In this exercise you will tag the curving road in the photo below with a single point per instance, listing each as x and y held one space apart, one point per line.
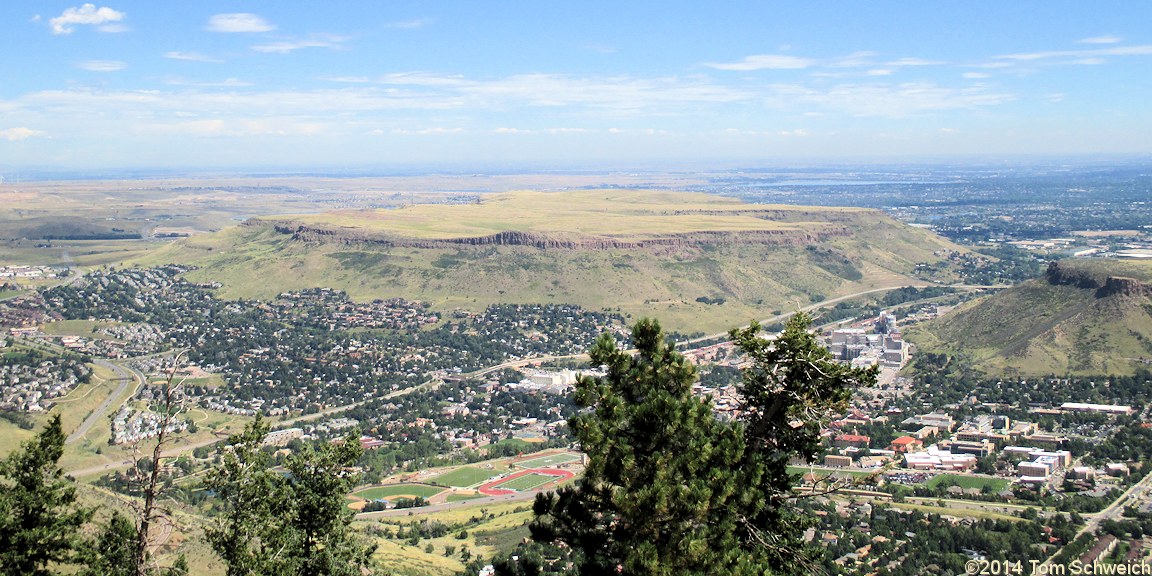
126 376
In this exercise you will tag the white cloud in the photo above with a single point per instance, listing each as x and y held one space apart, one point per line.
797 132
884 100
1100 40
765 62
1141 50
288 46
410 24
348 79
976 75
238 22
511 131
423 79
913 62
87 14
427 131
191 57
992 65
225 83
236 127
880 72
101 65
18 133
854 60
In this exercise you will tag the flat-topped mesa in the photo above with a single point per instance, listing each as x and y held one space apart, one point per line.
573 241
1104 284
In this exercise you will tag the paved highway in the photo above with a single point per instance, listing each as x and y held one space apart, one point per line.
126 377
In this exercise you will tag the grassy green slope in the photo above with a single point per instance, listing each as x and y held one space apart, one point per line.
661 280
1043 327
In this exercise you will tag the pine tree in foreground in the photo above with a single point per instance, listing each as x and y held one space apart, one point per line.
294 524
39 518
672 489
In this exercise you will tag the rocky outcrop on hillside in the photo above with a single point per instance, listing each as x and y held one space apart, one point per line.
793 237
1104 284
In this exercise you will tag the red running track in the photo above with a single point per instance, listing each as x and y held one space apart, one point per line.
490 489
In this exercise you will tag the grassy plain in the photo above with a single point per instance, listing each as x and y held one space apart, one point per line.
607 213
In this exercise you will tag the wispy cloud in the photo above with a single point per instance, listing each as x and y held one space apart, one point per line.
423 79
410 24
1100 40
976 75
1140 50
348 79
914 62
238 22
427 131
225 83
862 59
854 60
289 46
191 57
87 14
885 100
101 65
18 133
765 62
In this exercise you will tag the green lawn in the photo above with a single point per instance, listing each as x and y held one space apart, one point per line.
464 477
550 460
394 490
527 482
996 484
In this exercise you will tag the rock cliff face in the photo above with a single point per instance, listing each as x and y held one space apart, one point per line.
1105 285
566 241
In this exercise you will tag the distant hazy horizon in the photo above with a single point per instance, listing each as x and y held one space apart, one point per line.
135 85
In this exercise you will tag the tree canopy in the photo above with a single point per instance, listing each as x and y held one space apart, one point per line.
39 518
671 487
286 524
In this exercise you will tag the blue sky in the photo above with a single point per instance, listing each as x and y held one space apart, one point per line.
210 84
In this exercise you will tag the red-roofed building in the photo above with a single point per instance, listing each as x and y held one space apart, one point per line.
905 444
846 440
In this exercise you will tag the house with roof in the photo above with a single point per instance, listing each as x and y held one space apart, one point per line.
905 444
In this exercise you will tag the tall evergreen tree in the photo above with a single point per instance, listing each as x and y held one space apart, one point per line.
791 386
112 551
272 524
663 471
39 517
671 488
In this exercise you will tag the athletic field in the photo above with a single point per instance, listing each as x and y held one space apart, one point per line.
549 460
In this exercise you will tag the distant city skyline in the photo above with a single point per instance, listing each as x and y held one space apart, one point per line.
133 84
